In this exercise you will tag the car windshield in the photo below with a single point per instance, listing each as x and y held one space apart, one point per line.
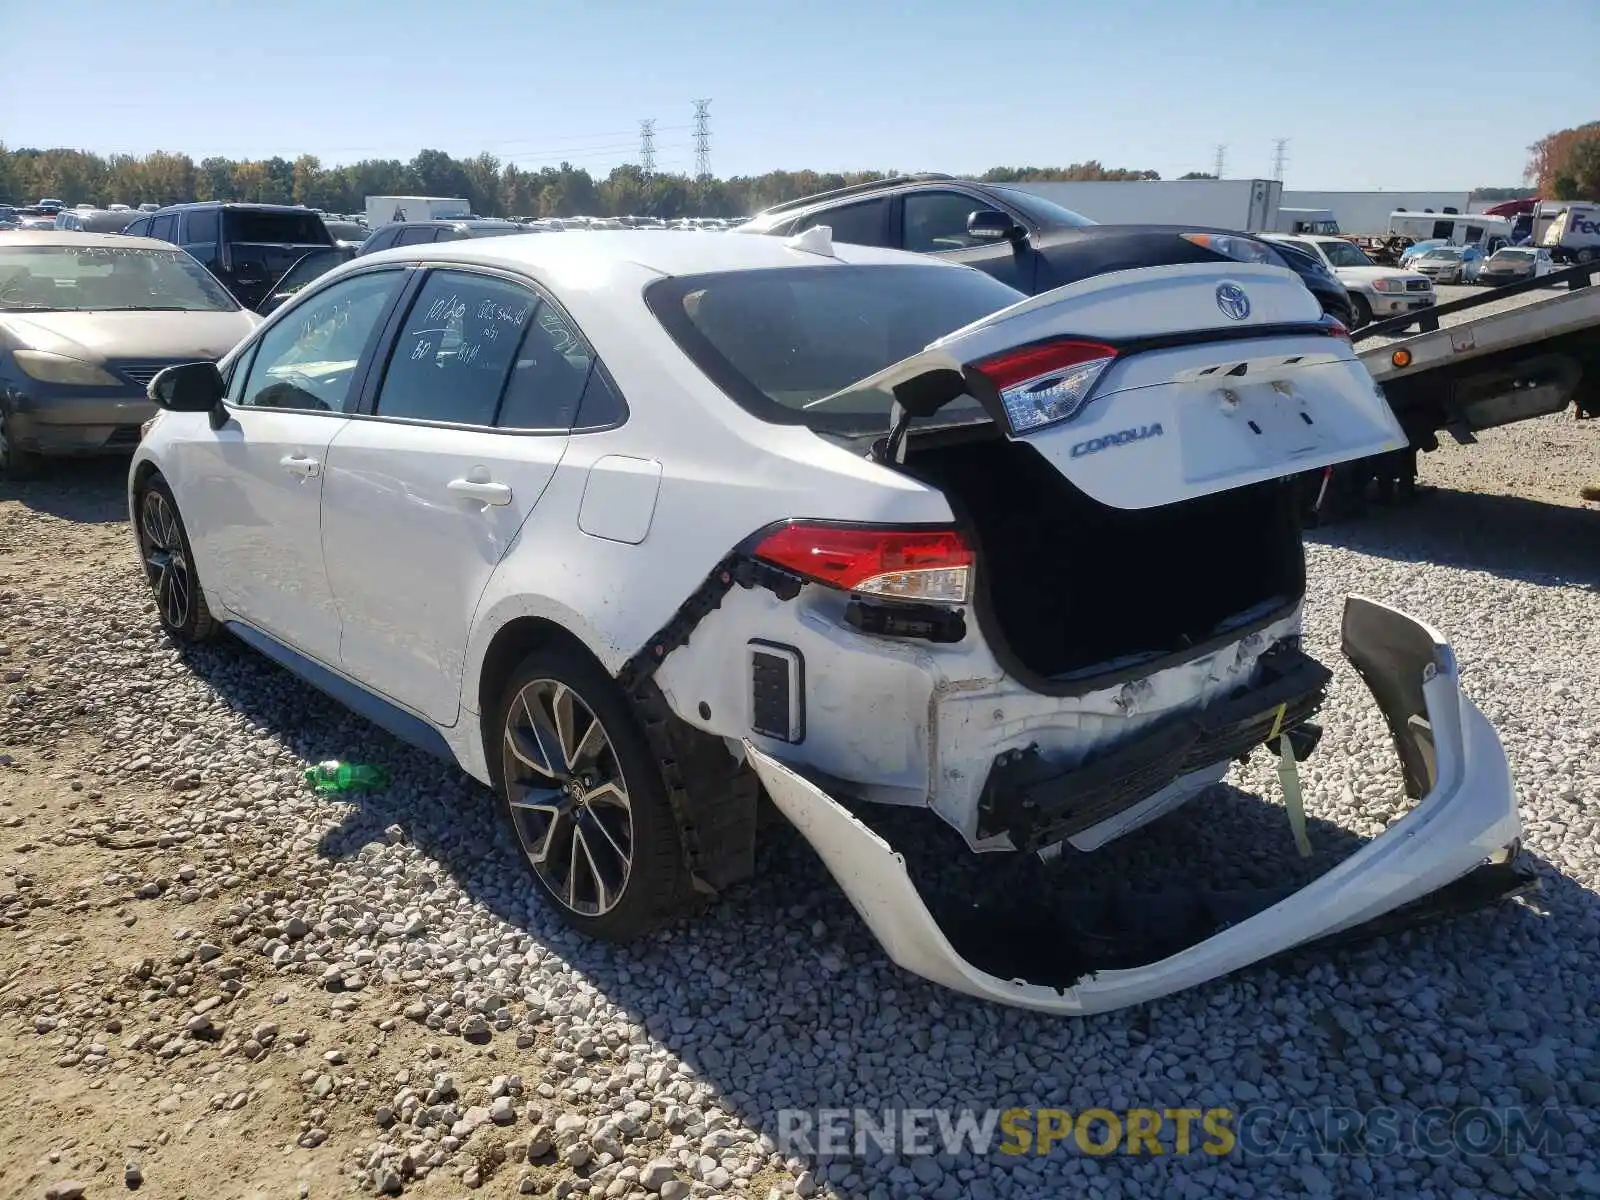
347 231
1344 254
1045 212
1513 255
106 279
778 340
1452 254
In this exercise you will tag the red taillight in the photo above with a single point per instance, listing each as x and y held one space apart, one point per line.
1042 384
905 564
1012 367
1336 328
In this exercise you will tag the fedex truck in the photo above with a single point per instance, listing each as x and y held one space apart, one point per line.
385 210
1574 235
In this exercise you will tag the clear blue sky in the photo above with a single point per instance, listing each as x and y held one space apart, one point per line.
1371 93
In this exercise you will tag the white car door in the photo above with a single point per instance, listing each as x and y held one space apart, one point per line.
259 477
425 492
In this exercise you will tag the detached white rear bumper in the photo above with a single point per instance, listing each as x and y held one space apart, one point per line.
1452 758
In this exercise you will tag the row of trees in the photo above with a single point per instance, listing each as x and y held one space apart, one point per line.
1566 164
495 188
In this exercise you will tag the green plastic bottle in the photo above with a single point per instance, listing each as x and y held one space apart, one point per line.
335 776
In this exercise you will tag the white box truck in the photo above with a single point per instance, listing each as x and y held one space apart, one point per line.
385 210
1250 205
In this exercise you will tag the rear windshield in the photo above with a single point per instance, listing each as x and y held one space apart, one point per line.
778 341
283 228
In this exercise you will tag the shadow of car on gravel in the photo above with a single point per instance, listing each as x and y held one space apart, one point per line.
1507 536
779 998
88 489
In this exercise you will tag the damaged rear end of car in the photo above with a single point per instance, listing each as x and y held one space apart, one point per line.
1100 616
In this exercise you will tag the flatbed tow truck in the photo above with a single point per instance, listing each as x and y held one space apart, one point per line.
1460 379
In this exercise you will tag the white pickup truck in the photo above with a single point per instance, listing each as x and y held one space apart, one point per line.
1376 293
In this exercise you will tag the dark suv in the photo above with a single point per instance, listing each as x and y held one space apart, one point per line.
1019 238
416 233
247 246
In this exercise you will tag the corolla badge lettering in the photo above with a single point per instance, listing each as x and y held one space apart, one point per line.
1235 305
1122 437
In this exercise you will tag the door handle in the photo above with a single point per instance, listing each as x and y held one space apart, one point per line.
301 465
483 490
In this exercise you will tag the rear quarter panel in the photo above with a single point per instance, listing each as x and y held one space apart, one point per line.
724 476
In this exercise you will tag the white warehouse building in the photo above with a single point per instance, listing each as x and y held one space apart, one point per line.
1255 205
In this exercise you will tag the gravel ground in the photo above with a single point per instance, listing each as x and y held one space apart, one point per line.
216 983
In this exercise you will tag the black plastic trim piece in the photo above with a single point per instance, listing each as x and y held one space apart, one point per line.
789 725
1038 804
927 622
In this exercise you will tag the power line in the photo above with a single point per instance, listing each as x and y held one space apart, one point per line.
647 146
1222 155
1280 156
702 139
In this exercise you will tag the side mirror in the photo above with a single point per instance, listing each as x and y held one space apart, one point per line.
992 225
188 387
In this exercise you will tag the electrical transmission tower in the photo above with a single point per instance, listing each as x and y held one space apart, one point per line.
702 139
1222 154
1280 156
647 146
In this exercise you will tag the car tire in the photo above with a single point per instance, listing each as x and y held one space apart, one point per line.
16 464
169 566
1361 309
587 810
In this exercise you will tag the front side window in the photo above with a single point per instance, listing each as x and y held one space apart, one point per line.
106 279
853 224
778 341
165 228
457 347
416 235
308 358
936 221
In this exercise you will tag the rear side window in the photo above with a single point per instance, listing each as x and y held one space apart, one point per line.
459 342
863 224
202 226
557 378
778 341
266 227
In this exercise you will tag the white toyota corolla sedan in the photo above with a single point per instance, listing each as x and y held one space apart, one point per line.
631 528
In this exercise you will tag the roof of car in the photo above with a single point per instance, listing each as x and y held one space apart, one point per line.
294 208
449 223
68 237
666 252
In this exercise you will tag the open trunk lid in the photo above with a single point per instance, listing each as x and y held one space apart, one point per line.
1153 386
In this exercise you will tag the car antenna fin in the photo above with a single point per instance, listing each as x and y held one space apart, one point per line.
816 240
